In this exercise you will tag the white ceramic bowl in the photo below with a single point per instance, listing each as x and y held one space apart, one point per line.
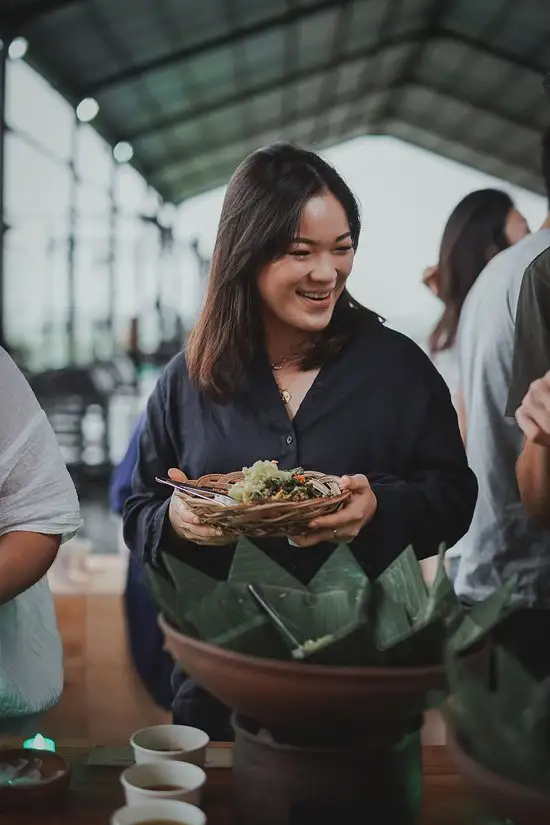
178 743
139 782
170 810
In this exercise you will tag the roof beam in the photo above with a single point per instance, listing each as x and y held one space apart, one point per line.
218 174
231 38
15 19
187 186
247 136
434 19
366 93
189 115
244 96
482 47
481 152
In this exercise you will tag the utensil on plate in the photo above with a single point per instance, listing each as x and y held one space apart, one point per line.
206 493
255 592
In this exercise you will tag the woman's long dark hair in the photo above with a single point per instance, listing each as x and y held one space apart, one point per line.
474 233
260 216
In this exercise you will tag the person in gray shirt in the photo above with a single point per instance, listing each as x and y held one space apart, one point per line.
503 540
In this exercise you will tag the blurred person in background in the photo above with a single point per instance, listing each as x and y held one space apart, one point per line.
483 224
503 540
153 664
529 397
38 510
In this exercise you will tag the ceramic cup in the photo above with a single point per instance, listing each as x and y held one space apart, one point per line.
169 810
178 743
146 782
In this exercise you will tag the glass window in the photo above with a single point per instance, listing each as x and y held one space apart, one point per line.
37 201
32 106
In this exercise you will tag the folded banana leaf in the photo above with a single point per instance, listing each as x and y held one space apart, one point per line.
339 617
475 623
503 723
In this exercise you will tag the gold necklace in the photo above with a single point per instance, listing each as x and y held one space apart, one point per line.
286 397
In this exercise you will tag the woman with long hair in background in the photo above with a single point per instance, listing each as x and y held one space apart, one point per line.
483 224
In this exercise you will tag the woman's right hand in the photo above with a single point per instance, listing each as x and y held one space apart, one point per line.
186 524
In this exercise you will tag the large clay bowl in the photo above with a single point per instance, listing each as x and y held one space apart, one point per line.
300 696
505 798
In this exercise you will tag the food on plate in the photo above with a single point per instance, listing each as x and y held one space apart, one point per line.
265 482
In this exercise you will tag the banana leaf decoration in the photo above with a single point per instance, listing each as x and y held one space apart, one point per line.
504 721
339 618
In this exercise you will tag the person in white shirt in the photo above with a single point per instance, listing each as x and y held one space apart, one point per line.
483 224
38 510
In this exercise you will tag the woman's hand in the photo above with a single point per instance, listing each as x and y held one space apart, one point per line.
344 525
186 524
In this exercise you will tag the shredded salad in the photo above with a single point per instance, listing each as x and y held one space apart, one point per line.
264 481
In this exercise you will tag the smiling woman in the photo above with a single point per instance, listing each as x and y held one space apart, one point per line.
285 247
285 365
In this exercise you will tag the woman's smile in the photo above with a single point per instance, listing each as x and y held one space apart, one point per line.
316 300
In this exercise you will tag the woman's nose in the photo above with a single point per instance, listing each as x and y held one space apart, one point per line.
324 270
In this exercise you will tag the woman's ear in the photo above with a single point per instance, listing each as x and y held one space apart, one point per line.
430 278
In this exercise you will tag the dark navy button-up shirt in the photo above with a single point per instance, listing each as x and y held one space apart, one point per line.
379 407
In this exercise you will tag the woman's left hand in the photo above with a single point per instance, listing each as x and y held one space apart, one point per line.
344 525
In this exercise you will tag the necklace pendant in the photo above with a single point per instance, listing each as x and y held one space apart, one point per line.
286 396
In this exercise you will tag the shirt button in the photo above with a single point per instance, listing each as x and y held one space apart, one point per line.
289 439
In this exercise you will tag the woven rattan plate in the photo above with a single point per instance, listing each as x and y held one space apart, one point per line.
279 518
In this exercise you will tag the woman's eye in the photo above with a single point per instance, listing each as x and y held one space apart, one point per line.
344 248
300 253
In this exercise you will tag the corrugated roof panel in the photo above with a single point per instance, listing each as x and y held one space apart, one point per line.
268 107
143 29
171 90
208 84
126 109
336 117
525 31
364 26
263 54
461 68
507 23
414 14
348 76
253 13
196 20
315 37
212 75
88 56
306 93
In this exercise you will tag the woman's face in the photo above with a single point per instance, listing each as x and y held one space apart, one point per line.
516 227
299 291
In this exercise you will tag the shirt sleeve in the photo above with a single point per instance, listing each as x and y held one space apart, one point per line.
431 504
532 331
36 491
145 513
147 528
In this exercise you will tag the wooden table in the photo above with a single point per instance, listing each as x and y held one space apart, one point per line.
96 793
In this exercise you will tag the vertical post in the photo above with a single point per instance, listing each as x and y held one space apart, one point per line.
71 245
112 256
3 73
